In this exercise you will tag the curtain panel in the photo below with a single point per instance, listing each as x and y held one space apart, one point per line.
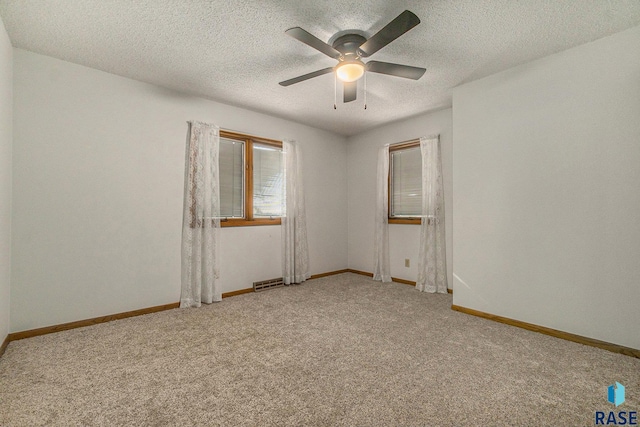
432 265
381 262
295 256
201 217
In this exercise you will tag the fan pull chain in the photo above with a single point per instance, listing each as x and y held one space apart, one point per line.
365 90
335 91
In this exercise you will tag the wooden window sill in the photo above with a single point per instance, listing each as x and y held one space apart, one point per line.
405 221
249 223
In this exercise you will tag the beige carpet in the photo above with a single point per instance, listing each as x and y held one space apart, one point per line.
342 350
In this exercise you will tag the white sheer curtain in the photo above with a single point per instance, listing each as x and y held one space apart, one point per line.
201 217
382 264
295 256
432 265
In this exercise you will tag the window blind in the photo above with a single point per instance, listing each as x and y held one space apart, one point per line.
406 183
268 189
231 163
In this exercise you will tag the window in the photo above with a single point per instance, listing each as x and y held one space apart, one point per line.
251 180
405 183
231 161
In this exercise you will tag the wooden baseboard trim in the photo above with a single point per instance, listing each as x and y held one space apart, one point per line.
394 279
362 273
238 292
403 281
88 322
102 319
4 345
249 290
330 273
615 348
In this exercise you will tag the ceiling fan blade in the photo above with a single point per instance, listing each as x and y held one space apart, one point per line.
394 29
311 40
398 70
350 91
306 76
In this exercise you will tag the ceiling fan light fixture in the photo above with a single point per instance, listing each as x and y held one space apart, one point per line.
350 71
349 46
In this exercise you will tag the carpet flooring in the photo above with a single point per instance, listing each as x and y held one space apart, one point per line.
338 351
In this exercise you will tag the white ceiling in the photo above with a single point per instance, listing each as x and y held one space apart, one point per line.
236 52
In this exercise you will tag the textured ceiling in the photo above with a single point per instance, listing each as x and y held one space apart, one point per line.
236 52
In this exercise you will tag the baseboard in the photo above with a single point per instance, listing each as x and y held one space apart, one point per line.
88 322
249 290
4 345
394 279
331 273
96 320
615 348
238 292
363 273
102 319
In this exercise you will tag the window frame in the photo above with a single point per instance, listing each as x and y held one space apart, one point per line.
392 219
249 219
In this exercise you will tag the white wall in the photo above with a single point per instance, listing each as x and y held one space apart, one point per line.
547 191
6 141
98 188
362 161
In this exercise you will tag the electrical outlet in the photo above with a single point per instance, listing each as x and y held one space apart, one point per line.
407 262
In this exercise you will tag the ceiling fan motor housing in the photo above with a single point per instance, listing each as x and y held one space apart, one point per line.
348 45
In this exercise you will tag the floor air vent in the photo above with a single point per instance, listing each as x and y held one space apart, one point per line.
267 284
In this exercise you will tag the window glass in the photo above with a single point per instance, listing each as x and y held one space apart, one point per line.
268 180
231 163
406 183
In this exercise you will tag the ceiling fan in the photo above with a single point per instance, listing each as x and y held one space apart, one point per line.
349 47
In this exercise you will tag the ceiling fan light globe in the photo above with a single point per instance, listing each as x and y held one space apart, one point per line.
350 71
